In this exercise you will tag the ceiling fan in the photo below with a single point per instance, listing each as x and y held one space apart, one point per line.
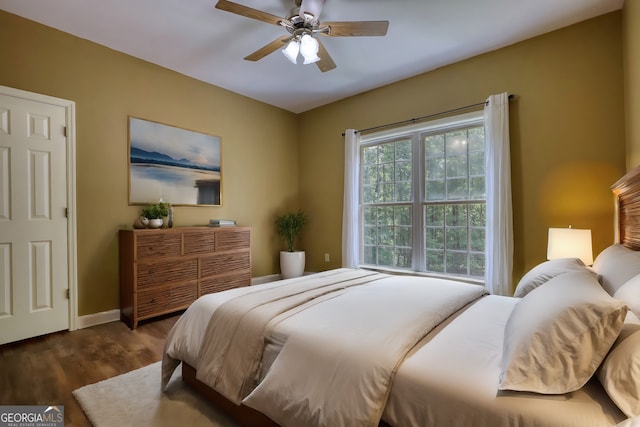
303 26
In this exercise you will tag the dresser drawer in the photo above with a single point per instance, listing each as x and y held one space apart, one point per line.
150 274
228 239
227 281
224 262
199 242
154 245
166 300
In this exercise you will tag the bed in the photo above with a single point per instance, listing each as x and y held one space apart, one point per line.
350 347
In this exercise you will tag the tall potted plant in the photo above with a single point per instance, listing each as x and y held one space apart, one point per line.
289 227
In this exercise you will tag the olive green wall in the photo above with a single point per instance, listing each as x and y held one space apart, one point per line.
259 151
631 52
566 127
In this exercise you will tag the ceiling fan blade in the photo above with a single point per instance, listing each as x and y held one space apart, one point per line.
249 12
326 63
357 28
269 48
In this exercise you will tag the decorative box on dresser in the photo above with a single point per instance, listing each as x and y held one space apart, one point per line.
165 270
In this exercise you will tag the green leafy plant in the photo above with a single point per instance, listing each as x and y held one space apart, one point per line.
290 225
155 210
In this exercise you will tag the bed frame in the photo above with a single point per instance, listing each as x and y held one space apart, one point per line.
627 209
627 232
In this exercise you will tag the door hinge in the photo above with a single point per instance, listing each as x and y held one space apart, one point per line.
66 212
64 131
68 294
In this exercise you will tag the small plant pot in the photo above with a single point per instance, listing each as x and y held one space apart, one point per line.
291 264
155 223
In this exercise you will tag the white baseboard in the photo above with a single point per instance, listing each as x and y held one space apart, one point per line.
97 318
265 279
272 278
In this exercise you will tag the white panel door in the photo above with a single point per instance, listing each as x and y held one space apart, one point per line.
34 275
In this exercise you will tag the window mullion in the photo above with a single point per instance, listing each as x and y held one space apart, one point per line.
419 263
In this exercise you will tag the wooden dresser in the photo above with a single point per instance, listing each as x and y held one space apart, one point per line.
165 270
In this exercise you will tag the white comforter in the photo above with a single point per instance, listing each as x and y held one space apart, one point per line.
451 379
342 346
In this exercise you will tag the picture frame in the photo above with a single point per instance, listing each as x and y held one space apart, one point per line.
178 166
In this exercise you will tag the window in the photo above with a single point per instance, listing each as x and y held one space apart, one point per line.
422 198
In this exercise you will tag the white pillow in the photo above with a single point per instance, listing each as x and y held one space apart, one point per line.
616 264
619 374
629 293
558 334
545 271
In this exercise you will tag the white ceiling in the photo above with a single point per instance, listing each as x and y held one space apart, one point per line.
195 39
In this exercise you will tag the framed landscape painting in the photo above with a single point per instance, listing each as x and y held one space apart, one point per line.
179 166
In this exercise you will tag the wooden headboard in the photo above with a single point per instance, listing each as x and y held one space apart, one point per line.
627 199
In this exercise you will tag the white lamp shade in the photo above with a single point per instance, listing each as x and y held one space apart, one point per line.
570 243
311 59
291 51
309 49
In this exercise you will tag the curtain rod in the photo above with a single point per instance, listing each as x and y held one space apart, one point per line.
417 119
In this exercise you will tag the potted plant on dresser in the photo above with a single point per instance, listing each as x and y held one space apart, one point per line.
155 213
289 226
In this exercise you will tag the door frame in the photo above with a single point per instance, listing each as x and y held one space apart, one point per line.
72 236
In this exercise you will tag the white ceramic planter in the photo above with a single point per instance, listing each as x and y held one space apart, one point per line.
155 223
291 264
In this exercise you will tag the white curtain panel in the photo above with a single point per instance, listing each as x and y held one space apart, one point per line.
351 197
499 237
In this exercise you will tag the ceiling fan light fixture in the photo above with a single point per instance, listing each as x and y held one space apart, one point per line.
309 49
304 20
291 51
311 59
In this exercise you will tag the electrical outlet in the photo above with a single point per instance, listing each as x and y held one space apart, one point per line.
326 257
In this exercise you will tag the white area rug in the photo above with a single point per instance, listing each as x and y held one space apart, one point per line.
135 399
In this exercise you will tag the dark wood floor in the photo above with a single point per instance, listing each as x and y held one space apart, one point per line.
45 370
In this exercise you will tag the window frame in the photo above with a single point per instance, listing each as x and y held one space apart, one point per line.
415 132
